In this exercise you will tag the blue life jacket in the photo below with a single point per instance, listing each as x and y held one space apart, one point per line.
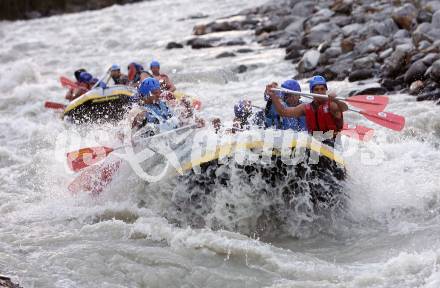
157 110
297 124
272 118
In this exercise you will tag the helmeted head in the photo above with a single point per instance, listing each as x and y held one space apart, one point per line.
243 109
150 86
115 67
134 69
115 71
155 67
85 77
318 85
78 72
290 98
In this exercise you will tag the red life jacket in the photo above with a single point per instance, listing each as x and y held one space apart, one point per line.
321 119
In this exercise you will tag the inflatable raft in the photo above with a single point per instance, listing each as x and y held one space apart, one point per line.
107 105
199 166
100 105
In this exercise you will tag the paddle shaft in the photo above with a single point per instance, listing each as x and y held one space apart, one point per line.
385 119
312 95
167 132
101 80
161 134
54 105
76 158
305 94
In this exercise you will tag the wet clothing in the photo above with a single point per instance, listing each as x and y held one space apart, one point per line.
134 73
297 124
157 112
74 93
121 80
273 119
319 118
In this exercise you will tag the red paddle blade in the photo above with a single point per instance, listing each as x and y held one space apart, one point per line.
85 157
54 105
95 179
196 104
131 72
385 119
67 83
368 102
358 132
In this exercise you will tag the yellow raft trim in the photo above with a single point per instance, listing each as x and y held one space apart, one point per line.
104 99
96 98
227 149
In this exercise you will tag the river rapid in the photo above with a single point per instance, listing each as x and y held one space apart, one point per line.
388 235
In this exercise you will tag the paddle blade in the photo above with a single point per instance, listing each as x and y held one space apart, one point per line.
197 104
85 157
358 132
94 179
131 72
385 119
54 105
368 102
67 83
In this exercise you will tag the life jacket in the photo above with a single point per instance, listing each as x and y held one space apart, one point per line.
321 119
272 118
121 80
134 74
157 110
81 89
297 124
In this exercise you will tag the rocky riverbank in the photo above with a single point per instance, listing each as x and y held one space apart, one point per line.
28 9
5 282
395 42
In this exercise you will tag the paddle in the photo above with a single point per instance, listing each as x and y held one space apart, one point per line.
358 132
85 157
364 102
67 83
95 179
102 78
355 131
54 105
367 102
385 119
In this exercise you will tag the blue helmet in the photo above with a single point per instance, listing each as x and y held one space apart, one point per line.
85 77
78 72
115 67
317 80
148 85
291 84
242 109
154 63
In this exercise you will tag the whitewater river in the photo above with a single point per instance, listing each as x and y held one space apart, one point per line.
387 237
